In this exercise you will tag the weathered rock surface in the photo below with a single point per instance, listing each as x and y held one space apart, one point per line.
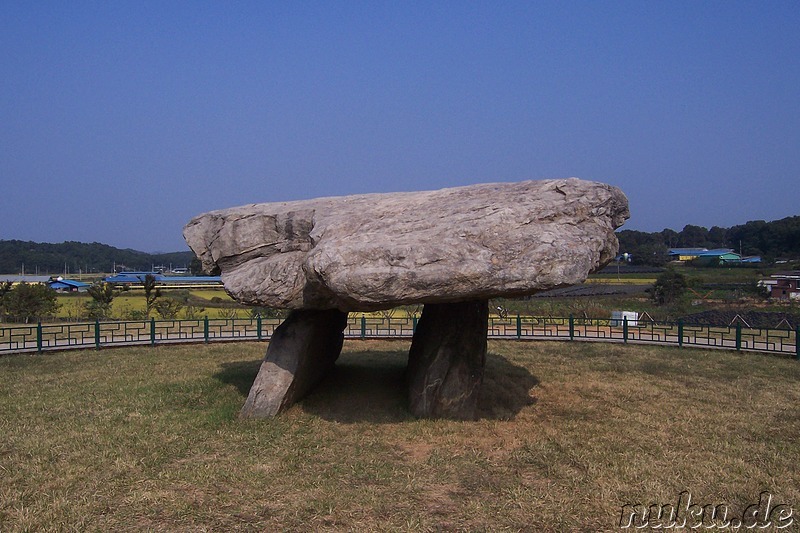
302 350
451 250
446 360
377 251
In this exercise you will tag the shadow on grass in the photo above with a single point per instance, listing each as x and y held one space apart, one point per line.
369 386
240 374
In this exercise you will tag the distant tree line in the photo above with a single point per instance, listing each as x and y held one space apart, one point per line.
75 257
770 240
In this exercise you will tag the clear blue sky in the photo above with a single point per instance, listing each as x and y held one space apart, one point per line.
119 121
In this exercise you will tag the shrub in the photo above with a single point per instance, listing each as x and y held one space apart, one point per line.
27 302
168 308
669 286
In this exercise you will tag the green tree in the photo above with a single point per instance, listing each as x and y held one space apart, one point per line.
670 237
192 312
196 267
26 302
644 248
103 295
151 294
5 287
717 237
669 286
168 308
693 236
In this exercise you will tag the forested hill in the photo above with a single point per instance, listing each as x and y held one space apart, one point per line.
770 240
75 257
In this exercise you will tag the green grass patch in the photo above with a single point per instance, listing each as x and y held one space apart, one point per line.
149 438
611 280
625 277
212 295
730 274
215 303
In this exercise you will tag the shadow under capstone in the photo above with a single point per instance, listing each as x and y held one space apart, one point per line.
369 386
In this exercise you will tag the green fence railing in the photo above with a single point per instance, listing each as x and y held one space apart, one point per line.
47 337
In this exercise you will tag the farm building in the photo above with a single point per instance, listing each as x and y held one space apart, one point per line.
723 256
136 279
131 278
751 259
783 285
706 257
685 254
60 284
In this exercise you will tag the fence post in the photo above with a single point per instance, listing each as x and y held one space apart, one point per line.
258 325
39 336
519 326
738 336
680 333
97 334
797 343
205 329
363 326
414 324
152 332
625 329
571 327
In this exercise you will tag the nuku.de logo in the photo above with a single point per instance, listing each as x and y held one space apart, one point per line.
685 514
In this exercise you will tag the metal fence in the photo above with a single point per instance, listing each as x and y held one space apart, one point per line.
48 337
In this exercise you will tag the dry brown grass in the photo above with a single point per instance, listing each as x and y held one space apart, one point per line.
148 438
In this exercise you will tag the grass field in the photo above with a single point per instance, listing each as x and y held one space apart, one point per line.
130 302
149 439
214 303
612 280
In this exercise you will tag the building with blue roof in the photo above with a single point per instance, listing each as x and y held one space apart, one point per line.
685 254
132 277
704 256
718 257
136 279
67 285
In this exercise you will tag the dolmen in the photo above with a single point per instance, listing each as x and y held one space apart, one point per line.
450 250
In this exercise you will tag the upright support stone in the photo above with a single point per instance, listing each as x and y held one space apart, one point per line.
446 361
302 350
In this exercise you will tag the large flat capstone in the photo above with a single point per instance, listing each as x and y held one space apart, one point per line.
377 251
